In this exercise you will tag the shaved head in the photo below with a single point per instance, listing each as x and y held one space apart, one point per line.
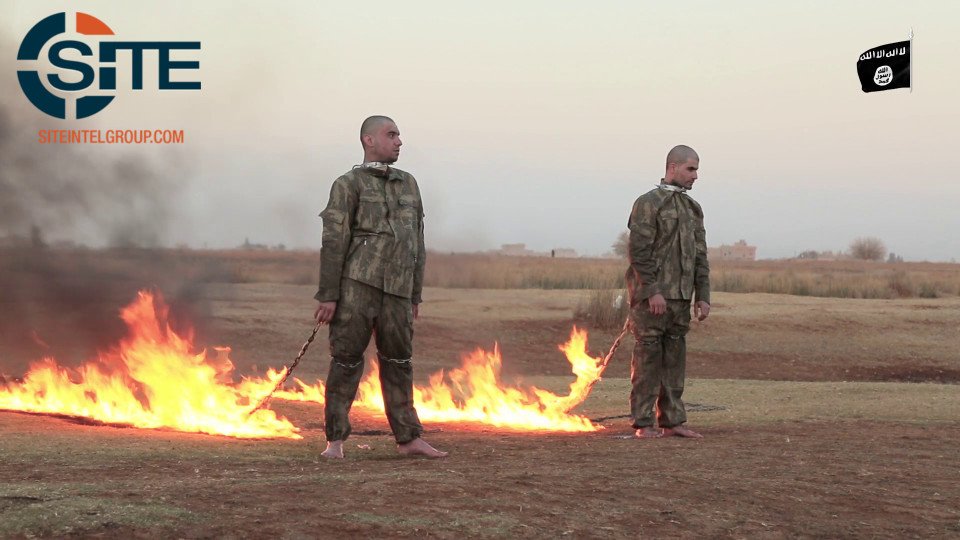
680 154
380 138
370 125
682 166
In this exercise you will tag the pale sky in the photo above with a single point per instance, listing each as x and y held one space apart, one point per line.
541 122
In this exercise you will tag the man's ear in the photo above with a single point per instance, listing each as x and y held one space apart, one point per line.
366 140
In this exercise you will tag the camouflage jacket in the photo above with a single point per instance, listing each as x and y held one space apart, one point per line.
668 248
373 233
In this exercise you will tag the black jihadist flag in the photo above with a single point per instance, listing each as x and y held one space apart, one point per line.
885 67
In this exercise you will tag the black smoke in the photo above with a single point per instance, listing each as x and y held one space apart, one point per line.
59 297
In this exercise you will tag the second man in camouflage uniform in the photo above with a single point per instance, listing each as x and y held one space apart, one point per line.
371 278
668 270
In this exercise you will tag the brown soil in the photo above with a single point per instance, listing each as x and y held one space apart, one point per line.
770 367
862 479
817 459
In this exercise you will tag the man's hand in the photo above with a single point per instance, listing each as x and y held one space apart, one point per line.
701 310
324 312
416 311
658 305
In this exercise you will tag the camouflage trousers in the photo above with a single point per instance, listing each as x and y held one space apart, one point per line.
361 311
657 368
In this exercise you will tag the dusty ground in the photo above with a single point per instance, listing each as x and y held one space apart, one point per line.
750 336
808 442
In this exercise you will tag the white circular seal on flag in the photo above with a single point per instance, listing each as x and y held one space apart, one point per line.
883 76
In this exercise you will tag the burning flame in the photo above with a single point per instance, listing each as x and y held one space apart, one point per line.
474 393
151 380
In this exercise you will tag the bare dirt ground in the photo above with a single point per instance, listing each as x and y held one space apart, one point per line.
839 418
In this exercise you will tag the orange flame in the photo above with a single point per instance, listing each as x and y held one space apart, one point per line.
151 380
474 393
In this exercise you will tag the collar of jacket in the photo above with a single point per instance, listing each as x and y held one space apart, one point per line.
374 165
670 187
380 170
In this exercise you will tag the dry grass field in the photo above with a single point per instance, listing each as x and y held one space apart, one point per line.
840 279
822 416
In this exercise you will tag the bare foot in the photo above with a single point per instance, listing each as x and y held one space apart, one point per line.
648 433
419 447
681 431
334 450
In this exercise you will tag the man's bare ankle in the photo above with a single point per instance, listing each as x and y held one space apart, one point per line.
334 450
681 430
648 432
419 447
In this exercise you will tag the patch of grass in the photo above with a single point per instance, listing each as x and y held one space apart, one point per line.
68 509
836 279
480 271
839 278
729 282
604 308
928 290
370 518
750 402
476 524
466 522
901 284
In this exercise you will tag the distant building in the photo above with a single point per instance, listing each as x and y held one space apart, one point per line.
737 252
247 244
520 250
515 250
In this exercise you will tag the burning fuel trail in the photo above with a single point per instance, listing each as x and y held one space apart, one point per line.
474 393
152 379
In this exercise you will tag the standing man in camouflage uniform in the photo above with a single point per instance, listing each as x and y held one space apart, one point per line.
668 270
371 277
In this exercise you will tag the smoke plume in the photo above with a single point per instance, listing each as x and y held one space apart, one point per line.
57 297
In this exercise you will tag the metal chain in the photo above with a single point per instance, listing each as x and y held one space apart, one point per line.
288 370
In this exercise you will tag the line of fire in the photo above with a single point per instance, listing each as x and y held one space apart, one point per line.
155 378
